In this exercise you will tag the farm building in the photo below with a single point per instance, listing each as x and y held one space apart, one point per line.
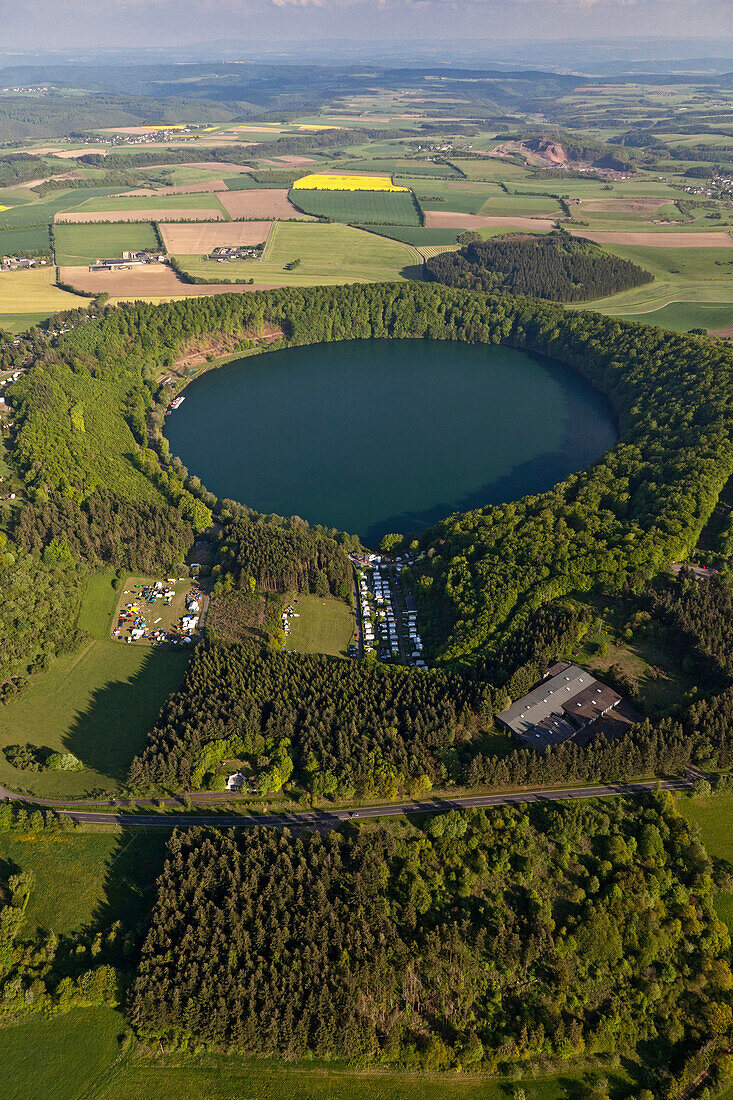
566 702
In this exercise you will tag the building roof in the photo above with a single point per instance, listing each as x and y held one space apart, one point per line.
549 705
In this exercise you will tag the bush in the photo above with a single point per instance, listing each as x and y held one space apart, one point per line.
64 762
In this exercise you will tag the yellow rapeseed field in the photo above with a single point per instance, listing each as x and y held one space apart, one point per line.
319 182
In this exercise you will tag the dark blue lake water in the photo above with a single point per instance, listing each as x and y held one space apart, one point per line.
371 436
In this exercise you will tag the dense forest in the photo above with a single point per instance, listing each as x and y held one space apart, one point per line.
489 939
334 726
555 266
258 554
40 599
106 529
642 505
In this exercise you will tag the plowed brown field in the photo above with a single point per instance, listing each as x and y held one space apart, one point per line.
448 219
149 281
181 189
197 239
715 239
262 203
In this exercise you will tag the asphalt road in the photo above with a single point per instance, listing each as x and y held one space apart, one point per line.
331 819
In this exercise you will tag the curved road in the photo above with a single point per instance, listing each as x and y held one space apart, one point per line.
331 819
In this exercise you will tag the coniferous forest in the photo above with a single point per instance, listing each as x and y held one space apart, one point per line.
555 266
483 938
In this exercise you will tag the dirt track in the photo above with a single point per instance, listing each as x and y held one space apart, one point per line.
168 215
194 239
261 203
151 280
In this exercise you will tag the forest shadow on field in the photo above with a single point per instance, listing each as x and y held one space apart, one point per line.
114 726
130 876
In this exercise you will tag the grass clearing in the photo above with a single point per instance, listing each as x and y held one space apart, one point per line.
323 626
683 316
158 615
714 818
33 292
21 322
87 875
395 207
329 254
83 244
98 703
61 1058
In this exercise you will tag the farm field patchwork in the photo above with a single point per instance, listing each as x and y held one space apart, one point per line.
259 204
416 235
190 238
328 254
397 207
719 239
83 244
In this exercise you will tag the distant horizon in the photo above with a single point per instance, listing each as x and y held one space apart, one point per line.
198 27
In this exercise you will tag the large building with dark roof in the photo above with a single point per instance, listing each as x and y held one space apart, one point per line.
564 703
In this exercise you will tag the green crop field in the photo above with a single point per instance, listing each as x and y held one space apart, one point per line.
83 244
323 626
464 198
61 1058
14 241
683 316
397 207
503 205
396 165
242 182
98 703
417 236
200 200
33 292
328 254
21 322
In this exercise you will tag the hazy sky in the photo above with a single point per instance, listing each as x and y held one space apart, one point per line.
64 24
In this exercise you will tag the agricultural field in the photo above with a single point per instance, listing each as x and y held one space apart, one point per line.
259 204
396 207
165 201
417 236
688 284
333 181
15 242
192 238
83 244
33 293
447 219
153 214
322 626
328 253
97 703
43 211
153 282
